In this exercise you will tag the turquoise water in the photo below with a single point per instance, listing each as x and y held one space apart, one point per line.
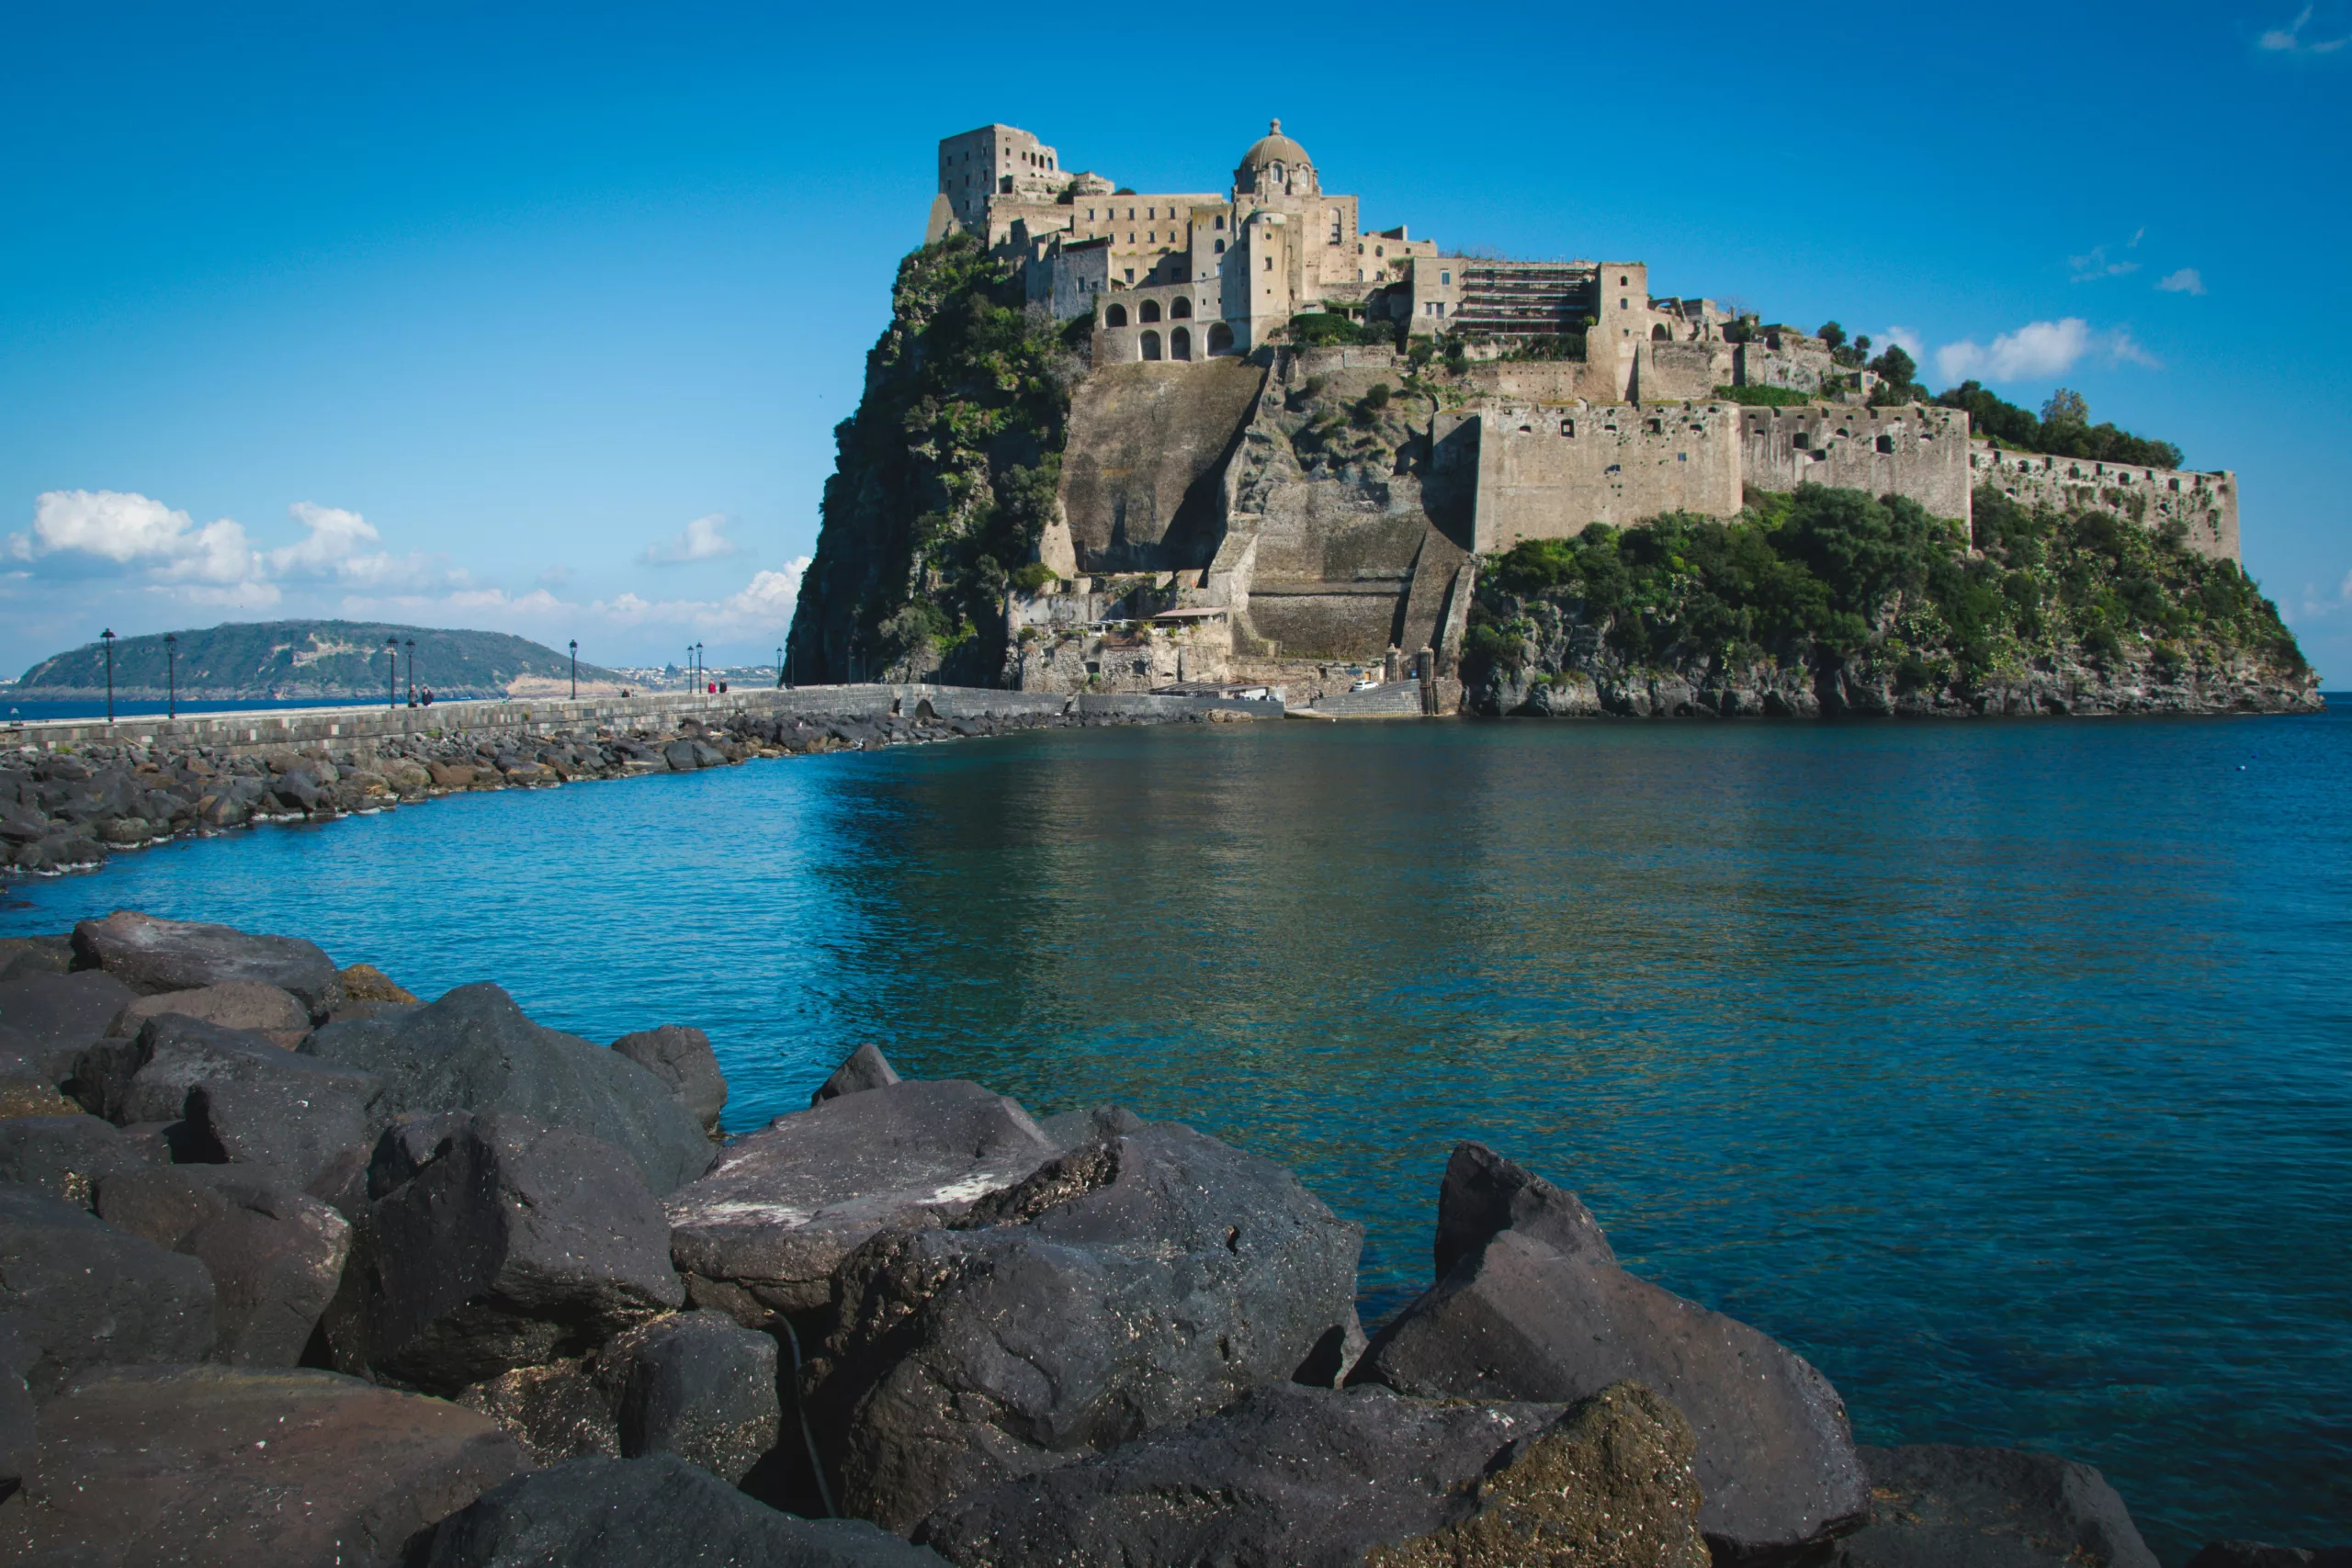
2000 1068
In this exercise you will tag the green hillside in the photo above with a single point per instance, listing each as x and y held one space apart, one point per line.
305 658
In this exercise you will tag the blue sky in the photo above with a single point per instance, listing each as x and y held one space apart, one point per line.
540 319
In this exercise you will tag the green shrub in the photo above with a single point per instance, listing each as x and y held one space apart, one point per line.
1764 397
1324 328
1033 577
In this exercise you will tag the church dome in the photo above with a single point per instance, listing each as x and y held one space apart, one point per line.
1274 148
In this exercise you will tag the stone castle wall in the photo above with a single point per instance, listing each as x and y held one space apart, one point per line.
1547 471
2204 505
1921 453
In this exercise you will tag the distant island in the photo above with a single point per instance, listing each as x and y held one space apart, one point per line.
279 660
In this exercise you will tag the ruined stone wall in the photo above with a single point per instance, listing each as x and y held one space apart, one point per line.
2204 505
1548 472
1792 363
1919 452
1143 472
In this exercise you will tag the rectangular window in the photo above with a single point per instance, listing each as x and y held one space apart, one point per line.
1445 279
1270 264
1220 220
1131 275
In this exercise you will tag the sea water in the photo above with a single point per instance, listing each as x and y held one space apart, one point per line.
2003 1069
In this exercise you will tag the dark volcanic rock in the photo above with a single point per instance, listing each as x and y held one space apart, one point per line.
1134 1284
475 1050
657 1512
557 1412
682 755
274 1253
697 1386
79 1293
1609 1486
682 1058
278 1016
764 1230
1285 1475
65 1157
1936 1505
515 1244
20 1417
152 955
1484 1194
245 1098
53 1016
237 1466
867 1067
1519 1318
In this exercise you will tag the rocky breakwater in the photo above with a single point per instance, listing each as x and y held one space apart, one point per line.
298 1268
63 812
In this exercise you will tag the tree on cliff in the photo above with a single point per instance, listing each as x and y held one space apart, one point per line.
944 479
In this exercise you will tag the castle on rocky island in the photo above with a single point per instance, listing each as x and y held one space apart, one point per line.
1205 448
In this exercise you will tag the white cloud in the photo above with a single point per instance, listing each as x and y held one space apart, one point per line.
335 549
1907 341
2185 281
2039 349
704 539
764 605
2290 40
85 532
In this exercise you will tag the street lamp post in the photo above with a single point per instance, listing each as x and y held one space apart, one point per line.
107 638
575 670
391 672
411 672
172 674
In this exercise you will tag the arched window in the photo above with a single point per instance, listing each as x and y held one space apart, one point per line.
1220 247
1151 346
1180 309
1179 344
1147 311
1114 315
1220 338
1660 334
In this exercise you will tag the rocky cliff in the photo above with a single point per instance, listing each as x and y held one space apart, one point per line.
1831 602
945 478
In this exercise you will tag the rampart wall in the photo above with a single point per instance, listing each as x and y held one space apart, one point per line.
1549 471
1921 453
1665 372
2204 505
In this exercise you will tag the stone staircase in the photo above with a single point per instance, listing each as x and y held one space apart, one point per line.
1396 699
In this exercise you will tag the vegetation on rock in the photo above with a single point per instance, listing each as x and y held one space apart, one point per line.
1828 580
946 476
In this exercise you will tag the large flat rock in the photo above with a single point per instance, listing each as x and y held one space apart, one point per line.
764 1232
1535 1307
225 1467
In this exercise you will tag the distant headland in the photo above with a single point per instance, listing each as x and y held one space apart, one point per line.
277 659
